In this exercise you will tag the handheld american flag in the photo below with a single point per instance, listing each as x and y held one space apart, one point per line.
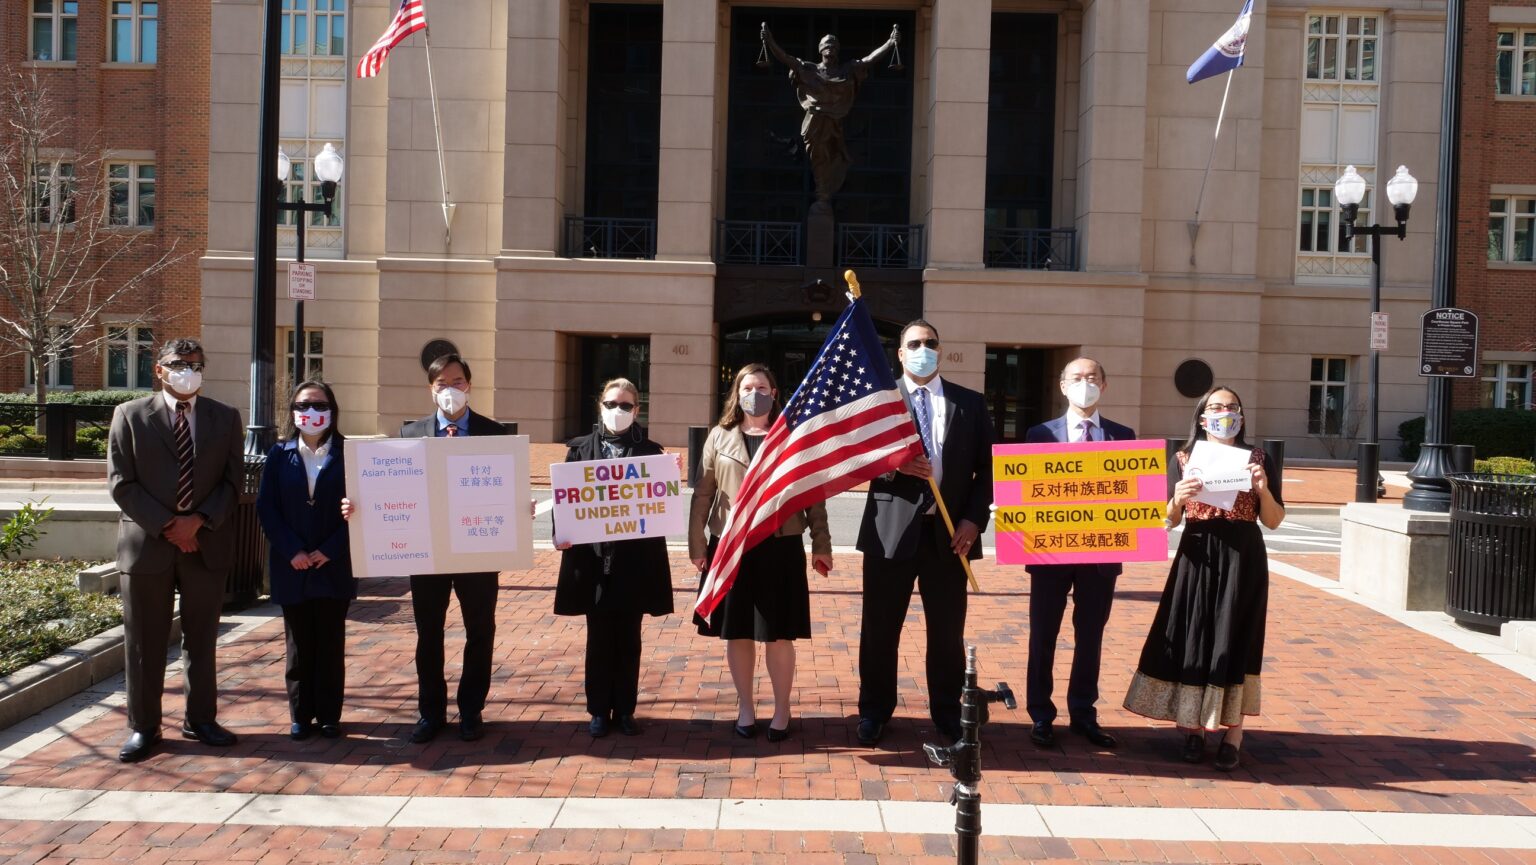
410 17
846 423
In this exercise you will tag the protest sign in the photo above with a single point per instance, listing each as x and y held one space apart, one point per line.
1223 472
613 500
439 505
1080 503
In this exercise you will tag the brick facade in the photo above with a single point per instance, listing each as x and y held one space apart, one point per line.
159 108
1498 149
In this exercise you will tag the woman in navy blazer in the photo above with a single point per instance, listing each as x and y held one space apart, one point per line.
300 508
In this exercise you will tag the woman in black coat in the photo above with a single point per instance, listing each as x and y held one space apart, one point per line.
614 584
299 505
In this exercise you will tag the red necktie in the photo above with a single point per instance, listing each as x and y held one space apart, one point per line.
452 431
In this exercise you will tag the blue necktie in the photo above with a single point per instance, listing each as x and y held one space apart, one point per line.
925 430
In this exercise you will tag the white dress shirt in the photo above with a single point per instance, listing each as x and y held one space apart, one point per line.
170 402
1075 420
938 413
313 458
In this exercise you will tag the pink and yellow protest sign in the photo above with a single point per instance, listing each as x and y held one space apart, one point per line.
1080 503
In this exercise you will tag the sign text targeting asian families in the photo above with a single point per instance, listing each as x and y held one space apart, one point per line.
439 505
1080 503
612 500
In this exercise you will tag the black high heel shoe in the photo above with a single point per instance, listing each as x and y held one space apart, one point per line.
777 735
746 731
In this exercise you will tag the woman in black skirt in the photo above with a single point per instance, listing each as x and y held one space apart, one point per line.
770 601
1201 662
614 584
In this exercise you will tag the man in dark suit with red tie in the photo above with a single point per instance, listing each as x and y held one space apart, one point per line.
448 377
1083 382
175 467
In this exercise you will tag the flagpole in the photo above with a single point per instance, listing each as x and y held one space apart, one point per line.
437 128
1194 227
854 293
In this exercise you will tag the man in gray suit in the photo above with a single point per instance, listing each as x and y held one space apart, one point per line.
175 466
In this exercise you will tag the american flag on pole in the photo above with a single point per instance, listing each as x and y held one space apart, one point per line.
846 423
412 16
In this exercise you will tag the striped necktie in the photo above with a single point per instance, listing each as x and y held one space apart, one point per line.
184 457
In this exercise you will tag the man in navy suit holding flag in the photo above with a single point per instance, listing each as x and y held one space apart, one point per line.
1083 382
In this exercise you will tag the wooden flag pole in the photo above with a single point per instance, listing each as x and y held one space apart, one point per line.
855 293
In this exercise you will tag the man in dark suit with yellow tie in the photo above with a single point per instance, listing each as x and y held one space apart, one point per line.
1083 381
175 468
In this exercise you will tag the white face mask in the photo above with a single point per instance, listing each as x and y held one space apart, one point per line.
451 400
921 362
1224 424
1083 394
184 381
311 420
617 420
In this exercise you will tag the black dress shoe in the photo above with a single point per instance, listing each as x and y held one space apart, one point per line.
870 731
298 731
777 735
628 725
425 731
331 731
746 731
209 734
1194 747
138 746
1042 734
598 727
1091 731
1226 757
471 728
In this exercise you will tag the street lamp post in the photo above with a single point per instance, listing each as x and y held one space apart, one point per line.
328 170
1350 191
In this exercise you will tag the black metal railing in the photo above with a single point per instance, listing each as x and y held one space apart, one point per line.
1031 248
593 237
870 245
740 241
57 431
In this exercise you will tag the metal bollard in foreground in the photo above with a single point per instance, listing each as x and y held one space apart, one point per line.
963 758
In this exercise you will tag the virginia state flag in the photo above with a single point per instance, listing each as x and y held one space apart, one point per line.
1227 52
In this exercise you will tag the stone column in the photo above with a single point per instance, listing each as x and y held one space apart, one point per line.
538 53
959 60
1112 128
684 211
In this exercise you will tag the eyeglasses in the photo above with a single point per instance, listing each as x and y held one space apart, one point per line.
915 344
1090 377
179 365
1216 406
621 406
320 405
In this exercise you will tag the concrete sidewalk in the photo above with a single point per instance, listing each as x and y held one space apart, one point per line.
1377 743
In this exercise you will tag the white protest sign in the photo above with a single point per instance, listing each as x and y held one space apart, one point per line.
439 505
614 500
301 281
1223 472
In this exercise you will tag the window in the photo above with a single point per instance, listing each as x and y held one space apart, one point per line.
301 183
53 193
1349 55
131 194
314 354
1326 400
130 358
135 31
60 365
1507 385
1515 64
325 19
55 29
1322 225
1512 229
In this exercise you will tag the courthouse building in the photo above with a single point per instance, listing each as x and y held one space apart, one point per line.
630 196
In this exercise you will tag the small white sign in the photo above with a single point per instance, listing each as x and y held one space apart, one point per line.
1378 331
1223 472
301 281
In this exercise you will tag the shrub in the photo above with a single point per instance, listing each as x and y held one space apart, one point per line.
1506 466
24 440
21 531
41 611
1495 432
75 397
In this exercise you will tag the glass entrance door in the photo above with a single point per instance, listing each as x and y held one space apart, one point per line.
603 359
1016 391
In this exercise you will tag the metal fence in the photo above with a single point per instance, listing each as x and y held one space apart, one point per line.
56 431
1031 248
747 242
871 245
592 237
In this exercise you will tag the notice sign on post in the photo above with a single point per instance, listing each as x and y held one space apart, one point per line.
1080 503
301 281
1448 343
439 505
614 500
1378 331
